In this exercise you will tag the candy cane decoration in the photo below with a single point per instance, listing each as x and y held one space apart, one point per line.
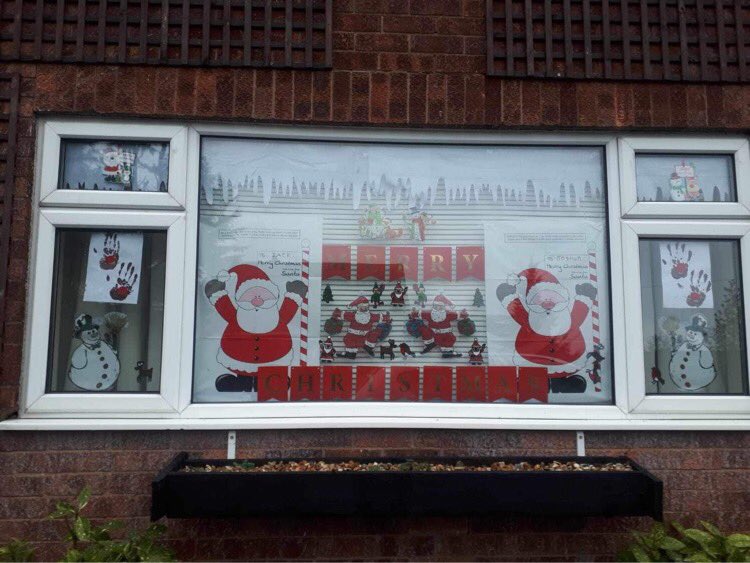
303 320
593 278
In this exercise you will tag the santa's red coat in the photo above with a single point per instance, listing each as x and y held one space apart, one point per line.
440 331
546 350
241 351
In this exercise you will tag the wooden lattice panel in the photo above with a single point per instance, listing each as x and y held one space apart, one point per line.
9 91
261 33
681 40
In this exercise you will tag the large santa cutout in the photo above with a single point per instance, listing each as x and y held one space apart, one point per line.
550 333
258 317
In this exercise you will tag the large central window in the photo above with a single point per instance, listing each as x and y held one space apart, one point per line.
401 272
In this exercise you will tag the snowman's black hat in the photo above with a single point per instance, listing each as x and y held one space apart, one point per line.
699 324
83 323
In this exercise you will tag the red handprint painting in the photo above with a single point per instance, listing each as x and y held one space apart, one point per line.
679 259
686 274
113 269
110 252
126 279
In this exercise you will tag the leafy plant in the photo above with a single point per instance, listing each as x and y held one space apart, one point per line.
89 542
692 544
16 550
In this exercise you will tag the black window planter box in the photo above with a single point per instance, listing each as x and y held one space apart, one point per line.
179 494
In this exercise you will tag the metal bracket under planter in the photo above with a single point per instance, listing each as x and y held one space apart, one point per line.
180 494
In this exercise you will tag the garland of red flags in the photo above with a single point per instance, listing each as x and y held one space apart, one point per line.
399 263
482 384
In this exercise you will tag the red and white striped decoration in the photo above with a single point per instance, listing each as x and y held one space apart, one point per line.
594 279
304 314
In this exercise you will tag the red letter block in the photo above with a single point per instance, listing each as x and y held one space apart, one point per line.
337 383
533 385
471 384
437 263
371 262
438 384
470 262
502 384
305 384
337 261
273 383
370 383
404 263
404 383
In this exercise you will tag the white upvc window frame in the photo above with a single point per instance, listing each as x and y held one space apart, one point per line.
53 135
172 407
677 404
737 147
37 400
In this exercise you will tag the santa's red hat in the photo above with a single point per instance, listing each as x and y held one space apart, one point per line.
328 341
475 344
359 301
537 280
248 273
443 300
398 285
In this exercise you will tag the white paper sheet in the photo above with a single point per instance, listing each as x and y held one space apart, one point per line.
274 243
686 275
113 270
571 257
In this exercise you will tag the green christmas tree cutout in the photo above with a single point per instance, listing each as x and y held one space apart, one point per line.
478 299
327 294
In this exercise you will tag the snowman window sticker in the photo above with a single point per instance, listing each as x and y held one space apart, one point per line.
685 178
114 166
107 311
693 317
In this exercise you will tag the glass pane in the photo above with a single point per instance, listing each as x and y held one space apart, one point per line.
408 272
685 177
107 311
693 319
114 166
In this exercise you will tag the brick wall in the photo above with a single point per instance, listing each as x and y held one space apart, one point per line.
400 63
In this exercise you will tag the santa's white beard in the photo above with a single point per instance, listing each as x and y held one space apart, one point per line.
438 316
258 321
327 349
550 324
362 317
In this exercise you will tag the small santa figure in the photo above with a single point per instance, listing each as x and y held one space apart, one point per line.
437 329
327 351
398 294
475 353
550 328
257 331
362 331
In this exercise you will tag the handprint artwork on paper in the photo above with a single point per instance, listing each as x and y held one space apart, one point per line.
126 279
700 287
110 252
679 259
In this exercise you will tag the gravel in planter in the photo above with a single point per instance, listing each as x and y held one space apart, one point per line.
354 466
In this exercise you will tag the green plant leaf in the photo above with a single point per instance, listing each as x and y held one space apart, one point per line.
640 554
669 543
739 541
83 498
713 530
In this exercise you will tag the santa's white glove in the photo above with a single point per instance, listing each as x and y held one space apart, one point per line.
505 290
214 286
586 290
297 286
